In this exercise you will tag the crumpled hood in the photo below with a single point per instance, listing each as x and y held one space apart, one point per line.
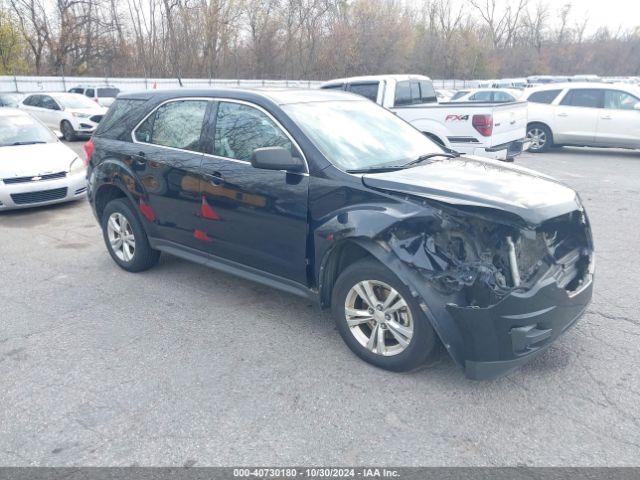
472 181
37 159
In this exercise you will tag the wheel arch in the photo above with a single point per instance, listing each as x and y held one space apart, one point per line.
543 124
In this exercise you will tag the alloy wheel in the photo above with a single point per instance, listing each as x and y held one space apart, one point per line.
379 318
121 237
538 138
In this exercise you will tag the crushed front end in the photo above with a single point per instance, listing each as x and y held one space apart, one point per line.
497 290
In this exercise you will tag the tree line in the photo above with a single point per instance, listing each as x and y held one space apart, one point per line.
308 39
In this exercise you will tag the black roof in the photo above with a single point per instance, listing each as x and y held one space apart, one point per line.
279 96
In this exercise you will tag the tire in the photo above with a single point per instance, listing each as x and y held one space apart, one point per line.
132 258
68 133
396 356
541 135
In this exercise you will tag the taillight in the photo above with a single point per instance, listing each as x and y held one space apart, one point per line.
88 151
483 124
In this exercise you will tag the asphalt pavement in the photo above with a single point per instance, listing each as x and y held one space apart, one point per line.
183 365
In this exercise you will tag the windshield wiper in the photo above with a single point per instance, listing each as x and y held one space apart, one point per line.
389 168
429 156
28 143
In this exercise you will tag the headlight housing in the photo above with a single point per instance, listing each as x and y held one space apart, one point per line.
77 166
81 115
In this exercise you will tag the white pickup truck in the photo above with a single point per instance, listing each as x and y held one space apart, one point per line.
496 131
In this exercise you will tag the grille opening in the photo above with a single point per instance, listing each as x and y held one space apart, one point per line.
48 176
38 197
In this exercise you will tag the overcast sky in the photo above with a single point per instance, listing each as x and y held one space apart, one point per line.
610 13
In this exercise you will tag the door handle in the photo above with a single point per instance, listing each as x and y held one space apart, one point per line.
563 114
215 178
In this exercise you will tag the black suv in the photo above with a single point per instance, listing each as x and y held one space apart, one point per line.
327 195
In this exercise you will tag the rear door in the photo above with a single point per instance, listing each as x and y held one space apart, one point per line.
166 159
576 117
51 111
251 216
619 120
366 89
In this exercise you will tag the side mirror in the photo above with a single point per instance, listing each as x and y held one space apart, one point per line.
276 158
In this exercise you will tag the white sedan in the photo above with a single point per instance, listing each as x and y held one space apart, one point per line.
35 167
70 113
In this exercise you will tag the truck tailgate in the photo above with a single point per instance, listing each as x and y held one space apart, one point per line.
509 122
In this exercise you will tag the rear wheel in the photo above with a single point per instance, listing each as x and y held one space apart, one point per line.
125 237
379 319
540 137
68 132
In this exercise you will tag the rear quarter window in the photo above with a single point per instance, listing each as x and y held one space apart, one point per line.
546 96
121 118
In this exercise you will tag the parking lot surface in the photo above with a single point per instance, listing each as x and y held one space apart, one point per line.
183 365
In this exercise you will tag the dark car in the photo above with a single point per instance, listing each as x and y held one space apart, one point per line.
329 196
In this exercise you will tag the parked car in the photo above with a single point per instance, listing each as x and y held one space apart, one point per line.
102 95
444 95
487 130
35 167
584 114
70 113
10 99
329 196
489 95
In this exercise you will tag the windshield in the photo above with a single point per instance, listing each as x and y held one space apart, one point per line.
23 129
357 135
74 100
9 100
108 92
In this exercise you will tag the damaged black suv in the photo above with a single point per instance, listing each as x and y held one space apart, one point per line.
329 196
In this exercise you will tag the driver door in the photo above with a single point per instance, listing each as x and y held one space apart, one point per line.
254 217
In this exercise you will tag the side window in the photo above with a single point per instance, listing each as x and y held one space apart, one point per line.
427 92
175 124
481 97
585 97
89 92
545 96
415 92
119 118
367 90
502 97
618 100
48 103
240 129
403 93
75 90
335 86
30 101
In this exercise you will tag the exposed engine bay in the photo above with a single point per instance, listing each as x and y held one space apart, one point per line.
483 260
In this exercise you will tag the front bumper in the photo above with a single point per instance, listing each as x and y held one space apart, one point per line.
45 192
506 335
84 126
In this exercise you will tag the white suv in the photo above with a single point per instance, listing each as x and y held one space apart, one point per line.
72 114
102 95
584 115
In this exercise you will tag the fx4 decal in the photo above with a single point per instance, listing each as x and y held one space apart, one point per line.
456 118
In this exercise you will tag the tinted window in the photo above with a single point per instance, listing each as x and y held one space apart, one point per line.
32 101
89 92
240 129
586 97
119 118
459 94
76 90
415 92
174 124
618 100
546 96
427 92
108 92
403 93
367 90
481 97
502 97
338 86
49 103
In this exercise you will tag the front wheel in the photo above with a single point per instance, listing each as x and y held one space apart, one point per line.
68 133
379 319
541 138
